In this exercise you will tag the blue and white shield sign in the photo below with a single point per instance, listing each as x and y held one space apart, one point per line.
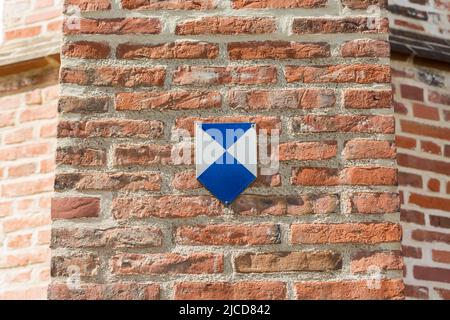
226 158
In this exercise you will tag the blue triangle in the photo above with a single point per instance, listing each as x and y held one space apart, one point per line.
226 181
221 129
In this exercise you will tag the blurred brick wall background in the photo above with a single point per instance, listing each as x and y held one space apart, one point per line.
29 90
422 104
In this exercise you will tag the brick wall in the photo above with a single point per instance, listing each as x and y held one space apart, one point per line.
131 224
28 110
422 103
421 27
31 29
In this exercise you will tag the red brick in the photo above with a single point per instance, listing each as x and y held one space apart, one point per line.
75 207
115 291
282 98
409 179
254 50
169 5
350 73
88 5
405 142
430 236
166 207
125 155
373 203
350 290
441 256
259 205
122 26
288 261
119 237
262 122
85 264
430 202
412 216
417 292
411 92
207 75
115 76
369 149
422 129
227 234
340 25
81 156
25 151
22 170
19 241
70 104
367 99
226 25
432 274
365 261
86 50
370 176
410 161
166 263
434 185
411 252
18 135
307 150
257 290
173 50
29 187
168 100
365 48
109 181
110 128
438 221
364 233
277 4
344 123
22 33
439 98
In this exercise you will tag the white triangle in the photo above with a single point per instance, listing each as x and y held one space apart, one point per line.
207 150
245 150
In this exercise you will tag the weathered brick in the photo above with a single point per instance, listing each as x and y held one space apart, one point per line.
365 48
172 100
119 237
166 207
288 261
344 73
277 4
115 76
307 150
277 50
366 233
257 290
87 5
340 25
227 234
110 128
166 263
207 75
86 50
112 26
367 99
226 25
70 104
114 291
108 181
367 261
144 155
259 205
344 123
173 50
369 149
280 99
84 265
169 4
81 156
350 290
373 203
75 207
